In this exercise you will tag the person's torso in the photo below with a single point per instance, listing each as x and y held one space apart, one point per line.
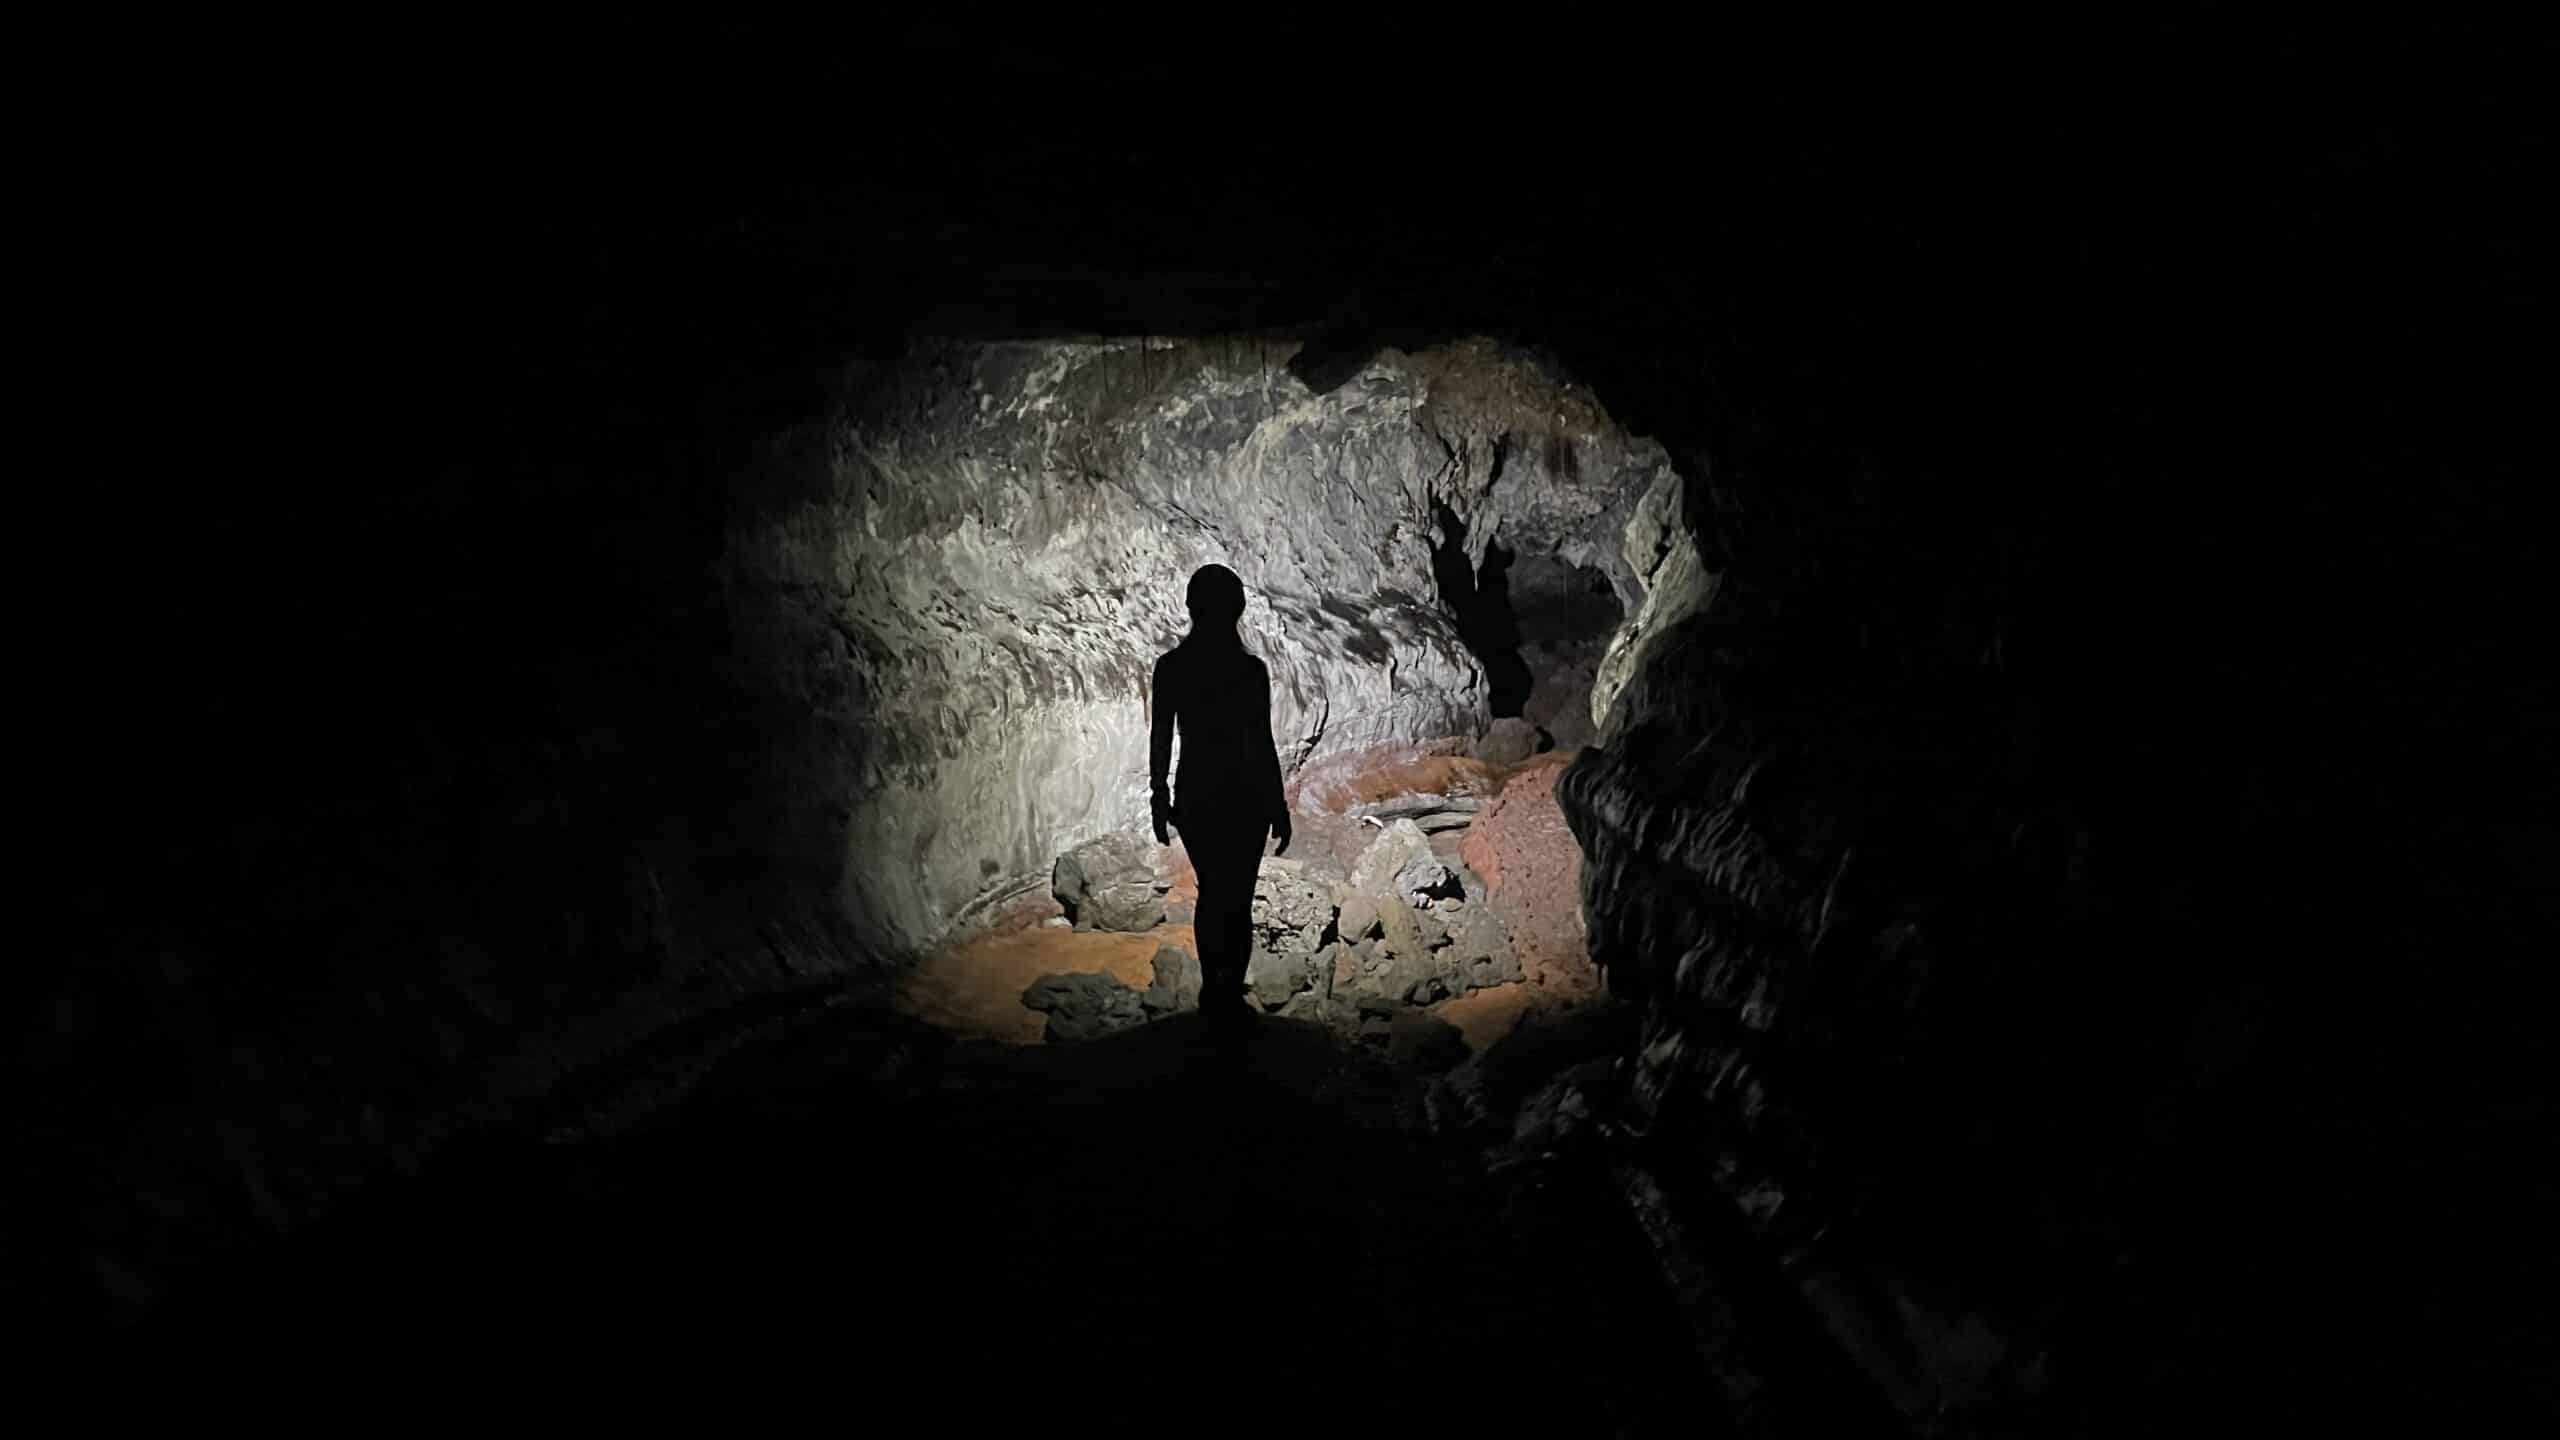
1222 721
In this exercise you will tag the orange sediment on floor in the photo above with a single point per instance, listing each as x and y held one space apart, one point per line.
1485 1016
975 987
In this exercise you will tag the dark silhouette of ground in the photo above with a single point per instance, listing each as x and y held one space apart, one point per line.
1149 1229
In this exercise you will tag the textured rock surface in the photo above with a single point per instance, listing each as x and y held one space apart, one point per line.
1413 928
1532 869
1662 553
1427 880
1176 983
1395 848
1974 953
994 552
1085 1006
1790 854
1383 778
1293 912
1480 951
1112 882
1358 919
1508 741
1273 978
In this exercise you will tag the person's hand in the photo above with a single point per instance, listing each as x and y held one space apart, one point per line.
1280 832
1163 817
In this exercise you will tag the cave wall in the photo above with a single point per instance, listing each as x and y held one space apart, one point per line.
1818 860
635 700
992 549
2026 884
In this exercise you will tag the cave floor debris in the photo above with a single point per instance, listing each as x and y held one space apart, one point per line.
974 990
973 986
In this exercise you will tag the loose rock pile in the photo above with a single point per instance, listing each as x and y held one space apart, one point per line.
1360 951
1090 1004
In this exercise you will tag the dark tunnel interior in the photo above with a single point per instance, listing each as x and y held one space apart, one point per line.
1538 625
1478 598
1922 786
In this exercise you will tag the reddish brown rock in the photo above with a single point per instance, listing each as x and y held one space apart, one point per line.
1532 872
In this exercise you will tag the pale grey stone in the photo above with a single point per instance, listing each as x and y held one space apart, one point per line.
1396 847
1110 883
1176 984
1359 917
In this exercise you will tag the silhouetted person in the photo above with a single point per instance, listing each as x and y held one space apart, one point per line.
1226 796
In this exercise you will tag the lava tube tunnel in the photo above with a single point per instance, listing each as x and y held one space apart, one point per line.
1337 727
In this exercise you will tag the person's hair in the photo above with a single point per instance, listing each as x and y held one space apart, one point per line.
1216 597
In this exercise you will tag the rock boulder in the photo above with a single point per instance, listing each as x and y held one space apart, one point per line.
1110 883
1176 985
1084 1006
1427 880
1399 845
1509 741
1293 918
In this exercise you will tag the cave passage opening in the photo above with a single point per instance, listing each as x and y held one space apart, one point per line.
1538 624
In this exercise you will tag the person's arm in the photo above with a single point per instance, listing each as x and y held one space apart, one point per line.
1160 751
1276 795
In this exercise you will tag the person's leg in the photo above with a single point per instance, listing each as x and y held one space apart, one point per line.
1221 937
1224 922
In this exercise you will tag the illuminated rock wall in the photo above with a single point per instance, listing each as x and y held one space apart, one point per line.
971 598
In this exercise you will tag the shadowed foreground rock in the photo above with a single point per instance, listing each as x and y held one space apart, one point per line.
1085 1006
846 1207
1088 1005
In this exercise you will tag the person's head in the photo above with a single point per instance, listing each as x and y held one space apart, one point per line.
1216 600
